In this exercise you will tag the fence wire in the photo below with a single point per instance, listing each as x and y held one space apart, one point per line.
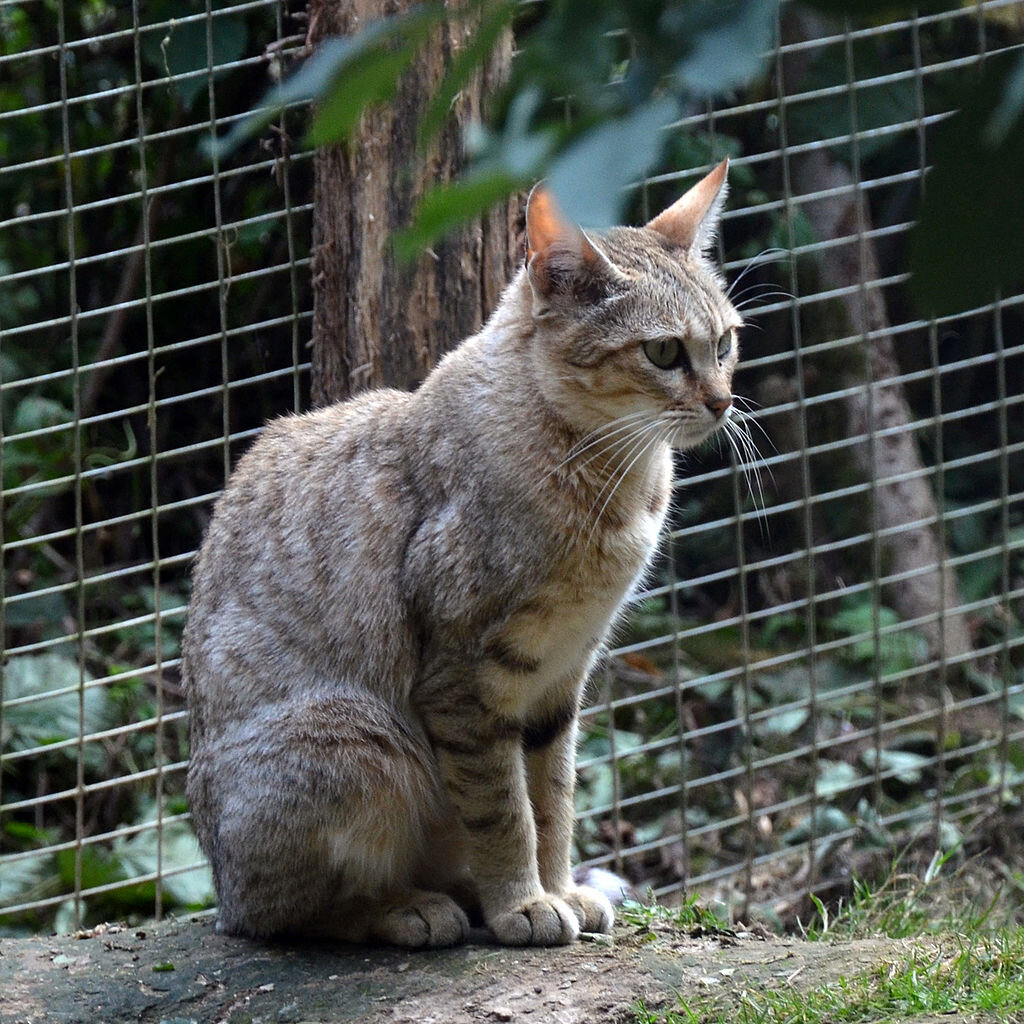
827 665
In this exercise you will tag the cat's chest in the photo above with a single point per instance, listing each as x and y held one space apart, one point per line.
550 641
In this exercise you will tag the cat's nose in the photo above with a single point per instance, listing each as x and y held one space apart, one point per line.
718 404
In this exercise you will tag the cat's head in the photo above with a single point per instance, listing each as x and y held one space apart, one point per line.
633 324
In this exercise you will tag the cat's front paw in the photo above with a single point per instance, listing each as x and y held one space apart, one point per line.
543 921
592 909
428 920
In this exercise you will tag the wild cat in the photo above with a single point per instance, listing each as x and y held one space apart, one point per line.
400 598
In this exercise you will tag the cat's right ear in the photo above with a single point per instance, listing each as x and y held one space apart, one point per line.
560 259
691 222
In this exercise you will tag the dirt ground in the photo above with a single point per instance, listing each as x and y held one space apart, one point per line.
180 971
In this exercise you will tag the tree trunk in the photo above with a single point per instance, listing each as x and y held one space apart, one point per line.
905 508
375 321
905 505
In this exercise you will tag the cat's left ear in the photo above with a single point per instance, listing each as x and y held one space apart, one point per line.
691 222
561 261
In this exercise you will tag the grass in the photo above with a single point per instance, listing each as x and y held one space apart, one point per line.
645 917
961 963
956 976
941 899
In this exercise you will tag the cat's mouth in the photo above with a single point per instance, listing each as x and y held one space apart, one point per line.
688 431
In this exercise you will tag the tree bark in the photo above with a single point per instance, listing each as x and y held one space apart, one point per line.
904 509
905 505
375 321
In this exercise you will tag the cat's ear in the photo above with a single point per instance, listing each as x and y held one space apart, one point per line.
561 260
691 222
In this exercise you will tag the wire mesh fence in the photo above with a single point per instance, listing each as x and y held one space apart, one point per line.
827 664
153 314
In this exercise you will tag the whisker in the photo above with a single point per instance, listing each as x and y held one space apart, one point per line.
741 429
634 441
606 433
755 308
613 450
751 479
625 443
748 403
748 420
716 438
763 258
649 434
763 297
759 290
749 462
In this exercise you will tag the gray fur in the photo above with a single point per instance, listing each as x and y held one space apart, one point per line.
400 598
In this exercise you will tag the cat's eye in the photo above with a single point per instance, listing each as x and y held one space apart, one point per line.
666 353
724 345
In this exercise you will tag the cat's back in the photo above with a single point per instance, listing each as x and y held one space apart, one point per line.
314 513
305 477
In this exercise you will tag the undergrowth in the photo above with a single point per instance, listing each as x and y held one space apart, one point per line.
963 959
956 977
690 915
945 898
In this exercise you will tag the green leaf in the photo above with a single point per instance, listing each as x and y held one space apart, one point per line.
445 207
1009 110
898 648
597 789
144 853
36 412
38 610
50 719
371 78
20 880
904 765
950 837
785 723
835 778
64 921
97 866
980 578
731 41
347 74
826 821
504 162
589 176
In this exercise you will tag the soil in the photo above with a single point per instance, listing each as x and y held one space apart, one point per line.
180 971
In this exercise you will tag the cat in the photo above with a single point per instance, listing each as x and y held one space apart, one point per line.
400 597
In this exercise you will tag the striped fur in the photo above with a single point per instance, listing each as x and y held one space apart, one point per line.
400 598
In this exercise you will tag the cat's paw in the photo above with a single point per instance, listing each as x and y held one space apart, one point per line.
427 920
592 909
543 921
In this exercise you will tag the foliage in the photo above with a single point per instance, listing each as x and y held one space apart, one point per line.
591 89
762 717
975 975
53 702
974 194
49 701
594 84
